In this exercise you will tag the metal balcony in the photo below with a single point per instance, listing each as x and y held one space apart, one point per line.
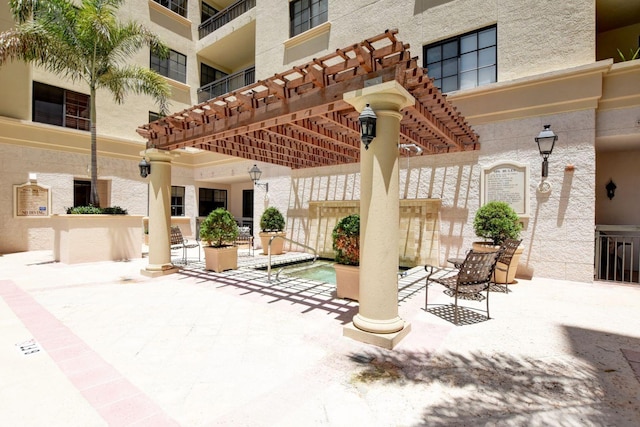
224 16
227 84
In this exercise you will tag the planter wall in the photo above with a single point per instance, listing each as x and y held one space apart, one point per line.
221 259
92 238
347 281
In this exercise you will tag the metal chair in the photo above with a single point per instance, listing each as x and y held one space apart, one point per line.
474 276
179 242
507 251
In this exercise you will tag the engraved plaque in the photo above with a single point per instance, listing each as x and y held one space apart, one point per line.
506 182
32 200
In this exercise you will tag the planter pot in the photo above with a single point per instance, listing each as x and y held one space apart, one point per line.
347 281
92 238
221 259
500 276
277 245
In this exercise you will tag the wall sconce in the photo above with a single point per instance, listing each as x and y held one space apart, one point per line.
255 175
367 121
546 139
145 168
611 189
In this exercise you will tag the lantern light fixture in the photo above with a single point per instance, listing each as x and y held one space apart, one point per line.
546 139
367 121
255 175
145 168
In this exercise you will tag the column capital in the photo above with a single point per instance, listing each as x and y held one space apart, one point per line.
390 95
156 155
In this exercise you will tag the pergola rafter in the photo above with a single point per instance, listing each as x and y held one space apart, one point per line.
298 118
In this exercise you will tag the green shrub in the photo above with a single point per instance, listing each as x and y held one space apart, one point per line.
497 221
219 228
346 240
94 210
272 220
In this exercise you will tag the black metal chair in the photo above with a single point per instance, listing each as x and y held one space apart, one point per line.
179 242
507 251
469 281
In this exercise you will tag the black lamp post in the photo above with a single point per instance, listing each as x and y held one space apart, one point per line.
145 168
546 139
255 175
367 121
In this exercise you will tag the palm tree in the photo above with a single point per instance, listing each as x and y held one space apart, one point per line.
87 44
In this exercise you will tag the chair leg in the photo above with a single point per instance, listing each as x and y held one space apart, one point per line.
488 292
455 310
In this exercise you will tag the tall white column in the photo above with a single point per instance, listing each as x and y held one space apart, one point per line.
159 213
377 321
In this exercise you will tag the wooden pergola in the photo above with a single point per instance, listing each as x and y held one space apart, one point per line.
299 119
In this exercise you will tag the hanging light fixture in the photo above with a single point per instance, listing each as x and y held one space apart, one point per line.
145 168
546 139
255 175
367 121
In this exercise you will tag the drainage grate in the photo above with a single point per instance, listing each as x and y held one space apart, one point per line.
28 347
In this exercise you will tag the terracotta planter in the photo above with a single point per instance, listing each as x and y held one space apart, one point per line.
277 245
347 281
499 275
220 259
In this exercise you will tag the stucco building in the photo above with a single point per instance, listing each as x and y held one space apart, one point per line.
509 67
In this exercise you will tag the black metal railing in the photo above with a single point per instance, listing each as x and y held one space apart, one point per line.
225 16
227 84
617 255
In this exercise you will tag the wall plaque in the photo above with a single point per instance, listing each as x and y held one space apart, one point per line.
31 200
506 182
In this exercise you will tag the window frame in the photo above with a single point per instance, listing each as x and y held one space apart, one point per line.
170 67
208 202
313 17
176 6
68 115
177 200
440 61
208 70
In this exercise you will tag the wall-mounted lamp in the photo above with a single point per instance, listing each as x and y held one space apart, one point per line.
611 189
546 139
367 121
145 168
255 175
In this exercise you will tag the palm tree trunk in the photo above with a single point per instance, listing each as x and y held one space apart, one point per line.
94 199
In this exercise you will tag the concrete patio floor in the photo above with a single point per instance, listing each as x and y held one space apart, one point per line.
99 344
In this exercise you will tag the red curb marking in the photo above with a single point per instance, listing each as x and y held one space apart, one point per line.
114 397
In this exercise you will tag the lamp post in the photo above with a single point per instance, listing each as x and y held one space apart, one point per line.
546 139
145 168
367 119
255 175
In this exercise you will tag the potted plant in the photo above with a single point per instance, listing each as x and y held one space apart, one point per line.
219 230
497 221
272 224
346 246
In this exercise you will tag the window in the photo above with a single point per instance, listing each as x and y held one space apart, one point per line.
211 199
207 12
82 192
306 14
177 201
209 74
153 116
177 6
174 67
463 62
60 107
247 203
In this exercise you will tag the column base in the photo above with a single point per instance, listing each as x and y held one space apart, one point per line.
159 270
388 341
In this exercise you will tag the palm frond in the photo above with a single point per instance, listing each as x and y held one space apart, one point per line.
139 80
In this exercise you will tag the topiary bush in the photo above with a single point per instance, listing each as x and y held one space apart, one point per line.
497 221
346 240
219 228
272 220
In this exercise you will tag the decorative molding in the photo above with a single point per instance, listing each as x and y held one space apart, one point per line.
170 13
312 33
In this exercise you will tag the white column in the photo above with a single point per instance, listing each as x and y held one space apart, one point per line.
159 213
377 321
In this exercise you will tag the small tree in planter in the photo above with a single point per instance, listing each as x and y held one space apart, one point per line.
272 224
497 221
220 230
346 245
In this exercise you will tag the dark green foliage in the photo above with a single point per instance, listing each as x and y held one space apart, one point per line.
219 228
272 220
94 210
346 240
497 221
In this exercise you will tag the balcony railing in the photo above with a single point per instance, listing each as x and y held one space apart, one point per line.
617 253
225 16
227 84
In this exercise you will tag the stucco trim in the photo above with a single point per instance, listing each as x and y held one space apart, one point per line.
170 13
